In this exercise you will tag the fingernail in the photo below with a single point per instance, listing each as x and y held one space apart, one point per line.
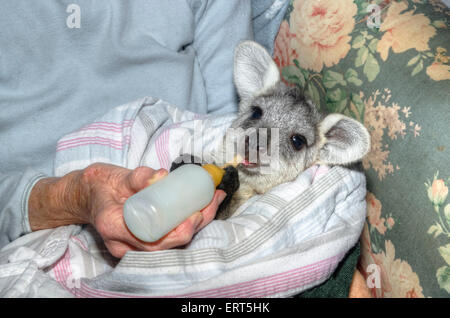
162 172
157 176
153 179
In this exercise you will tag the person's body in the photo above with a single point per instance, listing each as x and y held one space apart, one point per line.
56 77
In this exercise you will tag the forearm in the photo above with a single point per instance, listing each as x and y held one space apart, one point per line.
15 188
59 201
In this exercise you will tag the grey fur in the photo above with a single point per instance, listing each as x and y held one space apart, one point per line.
333 140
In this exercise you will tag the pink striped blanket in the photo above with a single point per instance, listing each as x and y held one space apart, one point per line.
282 243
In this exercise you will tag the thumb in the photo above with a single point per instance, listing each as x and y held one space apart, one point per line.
142 177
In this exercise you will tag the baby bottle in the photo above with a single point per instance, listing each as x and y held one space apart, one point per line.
154 211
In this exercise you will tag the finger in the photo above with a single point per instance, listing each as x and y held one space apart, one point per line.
118 249
209 212
179 236
184 232
142 177
119 232
161 173
116 230
189 226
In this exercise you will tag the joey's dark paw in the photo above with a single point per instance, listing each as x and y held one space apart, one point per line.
229 184
230 181
184 159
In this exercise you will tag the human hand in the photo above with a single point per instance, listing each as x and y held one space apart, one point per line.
96 195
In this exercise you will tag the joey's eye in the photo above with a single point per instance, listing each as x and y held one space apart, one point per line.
256 112
298 141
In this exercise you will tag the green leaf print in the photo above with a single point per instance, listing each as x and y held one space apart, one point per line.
314 94
358 42
371 67
443 278
417 69
330 79
435 230
293 75
359 104
445 253
373 45
336 100
361 56
414 60
352 77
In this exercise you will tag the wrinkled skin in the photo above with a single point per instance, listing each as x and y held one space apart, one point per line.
96 196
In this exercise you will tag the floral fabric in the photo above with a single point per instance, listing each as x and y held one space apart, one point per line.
386 64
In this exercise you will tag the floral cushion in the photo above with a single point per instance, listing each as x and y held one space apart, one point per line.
385 63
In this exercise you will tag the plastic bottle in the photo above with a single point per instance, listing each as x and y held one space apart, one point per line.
156 210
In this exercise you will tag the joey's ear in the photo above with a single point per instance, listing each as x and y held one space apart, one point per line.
254 69
343 140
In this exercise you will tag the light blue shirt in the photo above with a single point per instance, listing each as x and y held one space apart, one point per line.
62 66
